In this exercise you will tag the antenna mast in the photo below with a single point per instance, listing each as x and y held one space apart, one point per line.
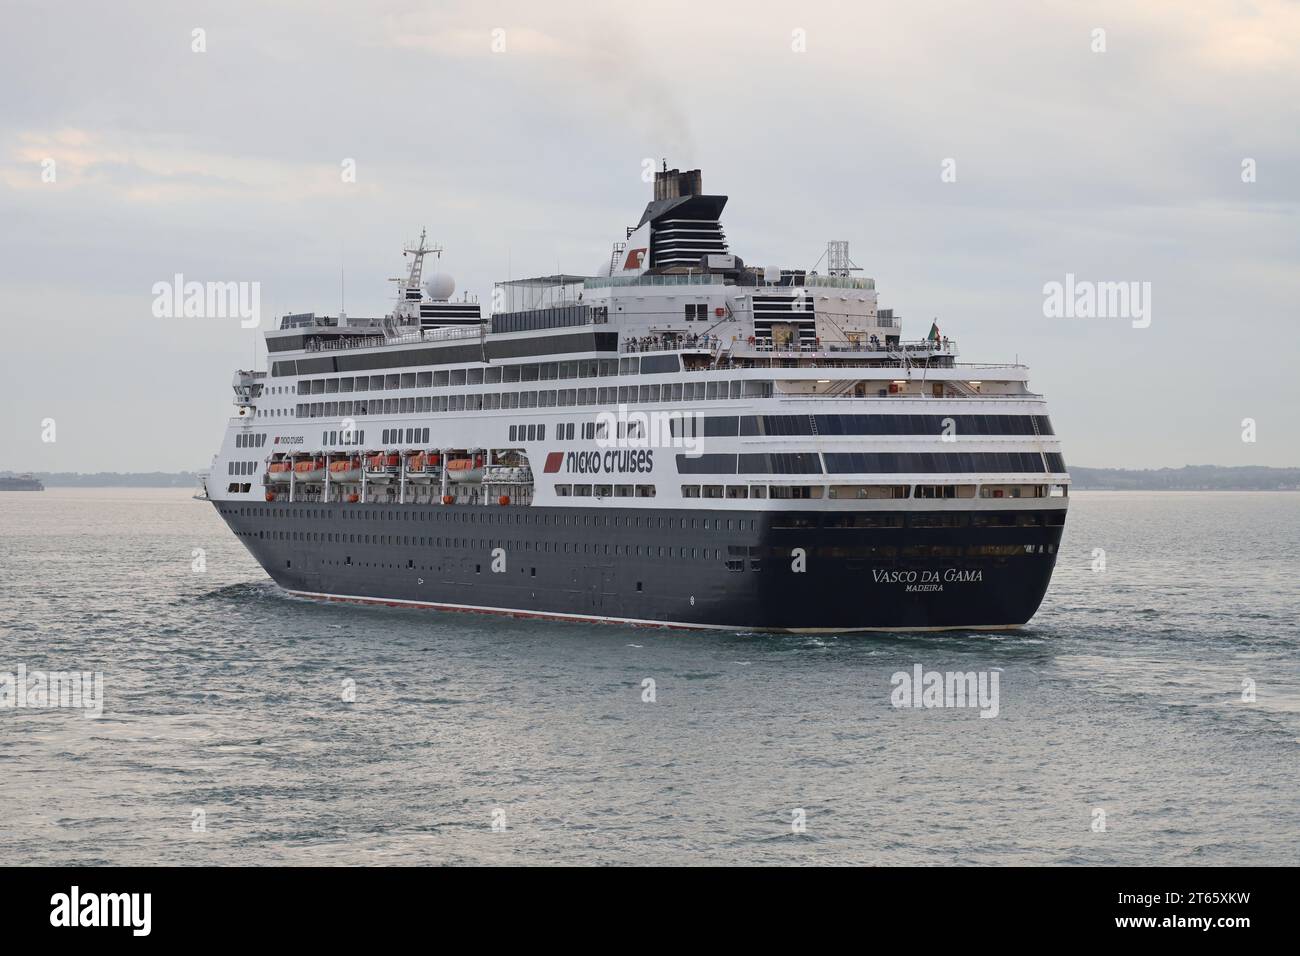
838 262
417 264
408 292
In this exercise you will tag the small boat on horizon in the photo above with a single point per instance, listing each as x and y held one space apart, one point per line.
21 483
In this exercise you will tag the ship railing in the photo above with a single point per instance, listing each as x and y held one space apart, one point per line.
412 337
838 282
1022 397
924 346
714 278
691 278
683 343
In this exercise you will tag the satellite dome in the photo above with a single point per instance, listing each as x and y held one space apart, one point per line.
440 287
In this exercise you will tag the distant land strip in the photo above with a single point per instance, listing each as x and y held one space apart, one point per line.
1186 478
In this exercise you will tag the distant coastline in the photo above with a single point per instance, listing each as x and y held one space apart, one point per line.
1187 478
114 479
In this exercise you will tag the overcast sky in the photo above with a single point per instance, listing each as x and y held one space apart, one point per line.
1122 165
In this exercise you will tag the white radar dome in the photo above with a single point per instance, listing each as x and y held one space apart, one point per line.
440 286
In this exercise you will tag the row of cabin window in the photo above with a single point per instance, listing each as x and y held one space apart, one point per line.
353 437
788 425
241 467
532 432
785 521
565 431
455 377
485 375
782 520
409 436
810 463
605 491
561 398
250 440
753 491
799 491
489 516
877 492
540 547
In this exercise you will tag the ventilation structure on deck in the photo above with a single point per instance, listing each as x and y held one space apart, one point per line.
437 315
784 322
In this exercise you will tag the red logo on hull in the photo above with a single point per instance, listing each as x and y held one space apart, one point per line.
553 462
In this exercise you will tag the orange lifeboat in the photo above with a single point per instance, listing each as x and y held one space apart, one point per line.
311 469
465 469
279 470
347 469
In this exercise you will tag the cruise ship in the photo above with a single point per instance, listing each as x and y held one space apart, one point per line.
681 439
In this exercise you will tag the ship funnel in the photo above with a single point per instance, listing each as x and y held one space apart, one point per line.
673 183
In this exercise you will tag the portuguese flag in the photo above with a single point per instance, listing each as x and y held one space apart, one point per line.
934 332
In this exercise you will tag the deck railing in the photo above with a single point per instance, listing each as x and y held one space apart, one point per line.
383 340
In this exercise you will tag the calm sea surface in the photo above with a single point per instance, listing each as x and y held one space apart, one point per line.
224 703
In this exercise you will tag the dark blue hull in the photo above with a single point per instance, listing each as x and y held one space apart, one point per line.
789 571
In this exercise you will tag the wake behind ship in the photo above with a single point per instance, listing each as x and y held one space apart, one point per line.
680 439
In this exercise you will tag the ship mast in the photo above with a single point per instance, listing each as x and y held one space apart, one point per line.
409 292
417 263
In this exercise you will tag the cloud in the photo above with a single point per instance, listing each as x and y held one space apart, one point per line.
160 169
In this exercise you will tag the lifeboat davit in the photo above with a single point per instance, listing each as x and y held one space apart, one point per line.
348 469
312 469
508 475
420 468
383 467
278 471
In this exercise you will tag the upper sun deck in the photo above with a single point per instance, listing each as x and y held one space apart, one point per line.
673 286
721 278
696 351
